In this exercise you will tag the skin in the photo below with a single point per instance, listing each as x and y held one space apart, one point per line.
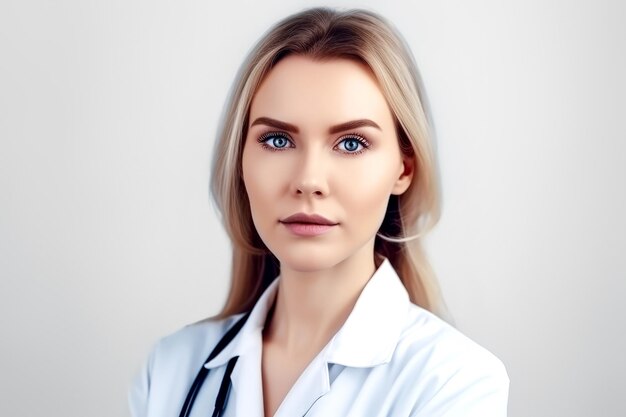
316 172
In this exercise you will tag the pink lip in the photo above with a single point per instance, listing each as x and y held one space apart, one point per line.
308 229
302 224
307 218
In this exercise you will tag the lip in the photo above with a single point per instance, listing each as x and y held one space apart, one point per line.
308 229
302 224
314 219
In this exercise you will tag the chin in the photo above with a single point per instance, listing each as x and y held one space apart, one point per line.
308 260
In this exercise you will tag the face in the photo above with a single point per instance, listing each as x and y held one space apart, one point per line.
321 140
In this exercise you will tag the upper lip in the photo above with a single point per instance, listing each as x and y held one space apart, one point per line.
307 218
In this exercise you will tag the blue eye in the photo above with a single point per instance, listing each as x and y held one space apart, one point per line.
353 144
275 141
350 144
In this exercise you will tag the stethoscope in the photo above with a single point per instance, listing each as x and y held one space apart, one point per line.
222 395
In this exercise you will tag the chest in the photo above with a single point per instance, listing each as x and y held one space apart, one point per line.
279 374
268 388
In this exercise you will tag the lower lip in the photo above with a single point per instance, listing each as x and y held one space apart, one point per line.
308 229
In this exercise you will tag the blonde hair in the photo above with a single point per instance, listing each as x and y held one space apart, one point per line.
322 34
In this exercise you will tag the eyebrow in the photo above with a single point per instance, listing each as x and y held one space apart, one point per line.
352 124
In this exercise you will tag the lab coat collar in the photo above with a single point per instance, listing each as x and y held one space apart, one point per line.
251 330
372 330
367 338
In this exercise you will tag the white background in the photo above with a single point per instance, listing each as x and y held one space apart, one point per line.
108 112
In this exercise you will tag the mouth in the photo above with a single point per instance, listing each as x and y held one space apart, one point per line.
308 229
302 224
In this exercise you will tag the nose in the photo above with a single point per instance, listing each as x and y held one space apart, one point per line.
310 176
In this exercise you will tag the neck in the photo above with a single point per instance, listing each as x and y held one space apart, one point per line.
311 306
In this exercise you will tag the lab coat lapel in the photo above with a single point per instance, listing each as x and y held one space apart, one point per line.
246 396
370 334
247 390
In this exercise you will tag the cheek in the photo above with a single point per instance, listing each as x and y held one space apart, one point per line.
261 182
366 191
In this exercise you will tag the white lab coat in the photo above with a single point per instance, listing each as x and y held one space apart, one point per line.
390 358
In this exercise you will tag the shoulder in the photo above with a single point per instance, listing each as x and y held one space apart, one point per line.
450 370
192 342
426 334
172 362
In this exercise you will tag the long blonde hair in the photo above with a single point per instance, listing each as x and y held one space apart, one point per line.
322 34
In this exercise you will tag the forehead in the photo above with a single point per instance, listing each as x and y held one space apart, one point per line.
301 90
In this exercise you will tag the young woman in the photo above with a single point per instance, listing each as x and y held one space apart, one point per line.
326 181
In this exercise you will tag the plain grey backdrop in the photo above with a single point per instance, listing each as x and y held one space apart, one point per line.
108 241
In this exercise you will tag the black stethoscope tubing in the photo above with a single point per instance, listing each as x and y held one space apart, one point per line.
222 395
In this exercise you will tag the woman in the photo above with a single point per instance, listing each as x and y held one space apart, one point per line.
326 181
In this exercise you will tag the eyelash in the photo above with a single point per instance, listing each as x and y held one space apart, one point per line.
355 136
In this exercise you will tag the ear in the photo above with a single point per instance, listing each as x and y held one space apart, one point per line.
407 169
